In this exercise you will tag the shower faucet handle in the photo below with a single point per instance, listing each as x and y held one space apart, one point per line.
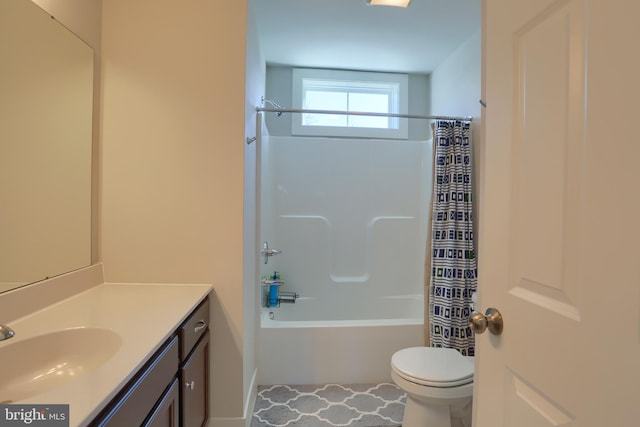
266 252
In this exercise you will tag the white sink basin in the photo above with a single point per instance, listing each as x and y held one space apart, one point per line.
38 364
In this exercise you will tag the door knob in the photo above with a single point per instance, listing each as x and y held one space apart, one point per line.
491 319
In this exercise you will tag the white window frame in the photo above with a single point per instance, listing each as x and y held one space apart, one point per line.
354 81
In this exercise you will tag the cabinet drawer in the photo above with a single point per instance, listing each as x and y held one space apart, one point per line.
193 328
134 406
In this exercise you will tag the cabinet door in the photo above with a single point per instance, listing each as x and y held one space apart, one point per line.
166 413
137 399
195 386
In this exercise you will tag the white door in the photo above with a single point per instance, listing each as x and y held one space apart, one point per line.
559 217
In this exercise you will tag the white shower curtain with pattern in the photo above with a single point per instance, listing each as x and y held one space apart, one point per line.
454 270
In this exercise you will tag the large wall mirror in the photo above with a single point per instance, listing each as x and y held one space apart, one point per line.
46 99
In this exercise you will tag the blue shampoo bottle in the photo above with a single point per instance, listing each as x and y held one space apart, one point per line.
273 290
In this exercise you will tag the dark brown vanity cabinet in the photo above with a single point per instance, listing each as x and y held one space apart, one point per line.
194 368
172 389
167 413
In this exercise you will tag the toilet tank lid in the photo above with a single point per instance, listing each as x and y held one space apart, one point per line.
433 365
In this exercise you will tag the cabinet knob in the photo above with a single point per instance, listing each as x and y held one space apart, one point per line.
190 385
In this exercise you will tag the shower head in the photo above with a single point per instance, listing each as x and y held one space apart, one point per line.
273 104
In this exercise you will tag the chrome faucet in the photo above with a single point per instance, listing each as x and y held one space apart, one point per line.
6 332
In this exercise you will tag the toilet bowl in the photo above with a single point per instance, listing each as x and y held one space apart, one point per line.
438 383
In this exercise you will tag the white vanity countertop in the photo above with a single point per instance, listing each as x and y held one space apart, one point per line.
144 315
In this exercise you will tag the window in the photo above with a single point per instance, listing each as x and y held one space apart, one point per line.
349 91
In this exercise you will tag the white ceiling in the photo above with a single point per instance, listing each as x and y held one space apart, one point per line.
349 34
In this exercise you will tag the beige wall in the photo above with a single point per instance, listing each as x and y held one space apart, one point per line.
172 160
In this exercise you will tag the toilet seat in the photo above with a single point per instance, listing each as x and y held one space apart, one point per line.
433 367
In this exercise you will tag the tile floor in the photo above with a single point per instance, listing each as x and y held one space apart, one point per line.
329 405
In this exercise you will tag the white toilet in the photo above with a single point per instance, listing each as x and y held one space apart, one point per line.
439 386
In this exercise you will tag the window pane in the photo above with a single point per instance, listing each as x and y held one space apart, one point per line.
343 90
371 103
325 100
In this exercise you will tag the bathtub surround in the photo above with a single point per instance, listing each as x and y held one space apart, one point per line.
353 405
349 218
352 234
454 272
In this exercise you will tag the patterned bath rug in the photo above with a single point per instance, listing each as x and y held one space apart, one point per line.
329 405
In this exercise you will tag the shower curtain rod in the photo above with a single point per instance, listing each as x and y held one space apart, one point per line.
360 113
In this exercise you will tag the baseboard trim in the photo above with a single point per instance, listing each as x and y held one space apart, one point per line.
252 395
226 422
245 420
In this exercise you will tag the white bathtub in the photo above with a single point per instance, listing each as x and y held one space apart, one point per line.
354 346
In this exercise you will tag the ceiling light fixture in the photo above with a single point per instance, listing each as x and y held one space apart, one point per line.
398 3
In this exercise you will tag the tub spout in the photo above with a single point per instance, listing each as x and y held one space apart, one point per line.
288 297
